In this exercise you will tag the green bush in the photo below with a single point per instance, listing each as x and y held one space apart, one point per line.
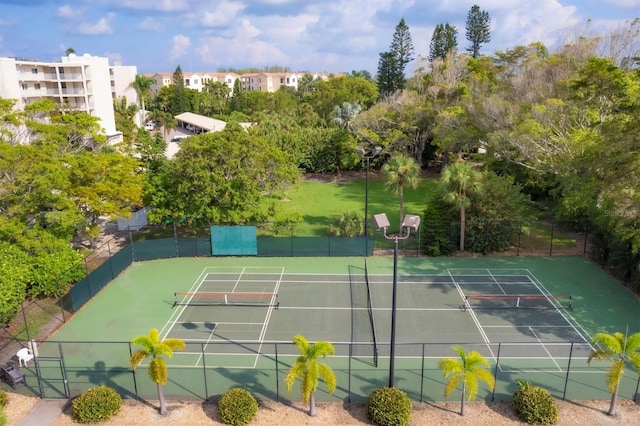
4 399
4 421
237 407
388 407
96 405
535 405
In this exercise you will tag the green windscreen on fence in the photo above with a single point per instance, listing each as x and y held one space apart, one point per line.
234 241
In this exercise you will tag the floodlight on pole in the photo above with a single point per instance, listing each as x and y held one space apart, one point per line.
367 154
409 223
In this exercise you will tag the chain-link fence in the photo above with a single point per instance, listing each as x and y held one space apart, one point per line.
59 372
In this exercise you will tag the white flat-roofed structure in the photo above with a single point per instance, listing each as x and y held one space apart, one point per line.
81 83
197 123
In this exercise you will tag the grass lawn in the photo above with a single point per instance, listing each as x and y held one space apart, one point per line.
538 236
320 204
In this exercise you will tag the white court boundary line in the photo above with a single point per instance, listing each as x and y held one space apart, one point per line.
200 280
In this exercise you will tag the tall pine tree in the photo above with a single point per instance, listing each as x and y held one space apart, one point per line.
392 63
478 29
443 41
178 102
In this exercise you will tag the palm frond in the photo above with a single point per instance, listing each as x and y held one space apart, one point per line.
451 385
614 374
137 357
158 371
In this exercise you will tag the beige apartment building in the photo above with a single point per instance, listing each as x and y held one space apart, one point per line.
262 81
79 82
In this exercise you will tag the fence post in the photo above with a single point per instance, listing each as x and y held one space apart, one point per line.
566 379
551 244
113 275
65 381
175 237
133 372
277 374
495 373
422 374
586 237
204 371
349 381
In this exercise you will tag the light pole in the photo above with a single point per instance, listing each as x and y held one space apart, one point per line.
410 222
367 154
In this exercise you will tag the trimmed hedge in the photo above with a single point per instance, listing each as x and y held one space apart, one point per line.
96 405
389 407
535 405
237 407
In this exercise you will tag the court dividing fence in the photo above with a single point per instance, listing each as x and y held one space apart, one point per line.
62 371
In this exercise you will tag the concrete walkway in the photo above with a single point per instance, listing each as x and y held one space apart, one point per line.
44 413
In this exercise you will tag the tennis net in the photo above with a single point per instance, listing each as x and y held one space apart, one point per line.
370 309
517 301
226 299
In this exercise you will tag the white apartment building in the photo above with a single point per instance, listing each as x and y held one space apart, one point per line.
83 83
192 80
262 81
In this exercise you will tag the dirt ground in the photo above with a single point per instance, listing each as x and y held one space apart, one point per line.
583 413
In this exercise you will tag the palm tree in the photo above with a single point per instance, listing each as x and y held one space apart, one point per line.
619 349
309 369
345 114
156 349
468 369
459 181
142 85
400 171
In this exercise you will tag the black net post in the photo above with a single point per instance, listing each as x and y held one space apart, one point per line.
113 275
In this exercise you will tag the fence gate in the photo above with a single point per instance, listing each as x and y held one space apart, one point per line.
52 380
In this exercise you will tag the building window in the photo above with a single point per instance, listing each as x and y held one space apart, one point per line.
195 81
186 82
24 86
36 86
34 70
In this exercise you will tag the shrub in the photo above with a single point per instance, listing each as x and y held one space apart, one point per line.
237 407
388 407
96 404
4 398
535 405
3 419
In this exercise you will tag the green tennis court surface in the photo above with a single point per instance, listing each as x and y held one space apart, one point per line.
238 316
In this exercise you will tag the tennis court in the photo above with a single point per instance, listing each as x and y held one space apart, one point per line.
230 313
531 317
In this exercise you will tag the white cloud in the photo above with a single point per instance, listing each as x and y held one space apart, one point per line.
65 12
540 20
626 4
225 12
241 47
149 24
159 5
179 46
103 26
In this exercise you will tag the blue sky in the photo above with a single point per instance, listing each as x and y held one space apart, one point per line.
313 35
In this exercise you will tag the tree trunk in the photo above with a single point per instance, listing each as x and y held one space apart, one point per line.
463 225
312 405
163 405
401 192
614 399
464 391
